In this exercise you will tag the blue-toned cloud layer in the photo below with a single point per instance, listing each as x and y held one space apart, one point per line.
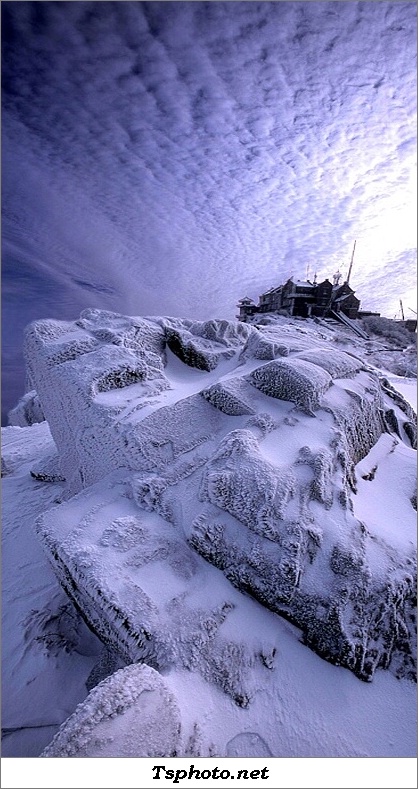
170 158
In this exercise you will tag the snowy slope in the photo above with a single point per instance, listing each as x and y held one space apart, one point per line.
203 481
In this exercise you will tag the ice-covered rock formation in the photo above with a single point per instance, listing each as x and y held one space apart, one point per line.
28 411
286 550
72 364
294 379
131 714
179 440
142 588
204 344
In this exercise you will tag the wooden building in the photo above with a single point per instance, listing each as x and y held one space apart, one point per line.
304 299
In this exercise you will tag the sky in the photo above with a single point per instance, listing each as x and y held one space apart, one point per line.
169 158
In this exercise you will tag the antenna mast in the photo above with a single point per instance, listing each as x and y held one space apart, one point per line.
402 312
351 264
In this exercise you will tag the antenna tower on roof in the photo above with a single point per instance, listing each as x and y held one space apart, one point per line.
351 263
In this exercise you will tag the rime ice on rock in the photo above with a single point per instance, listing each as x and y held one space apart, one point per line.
359 413
170 432
203 344
141 586
293 379
233 468
130 714
337 363
71 364
232 397
409 423
232 335
237 479
263 347
28 411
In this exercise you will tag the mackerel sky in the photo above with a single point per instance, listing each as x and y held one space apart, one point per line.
171 157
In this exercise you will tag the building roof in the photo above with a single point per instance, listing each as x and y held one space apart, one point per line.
272 290
345 296
304 283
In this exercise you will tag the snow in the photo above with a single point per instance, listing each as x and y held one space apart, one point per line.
407 387
386 483
205 509
46 658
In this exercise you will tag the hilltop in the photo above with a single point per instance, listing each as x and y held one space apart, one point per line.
231 506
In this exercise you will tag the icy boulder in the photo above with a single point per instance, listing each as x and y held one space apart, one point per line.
196 351
406 420
222 460
48 468
239 480
337 363
369 622
73 365
269 339
352 599
232 335
95 376
132 714
138 334
203 344
262 346
358 410
144 591
293 379
28 411
169 432
232 397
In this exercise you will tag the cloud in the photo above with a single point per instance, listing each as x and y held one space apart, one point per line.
183 154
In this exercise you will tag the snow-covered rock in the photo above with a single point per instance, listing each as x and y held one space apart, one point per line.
203 345
262 346
250 465
72 364
322 578
232 397
409 424
142 588
293 379
48 469
130 714
337 363
28 411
